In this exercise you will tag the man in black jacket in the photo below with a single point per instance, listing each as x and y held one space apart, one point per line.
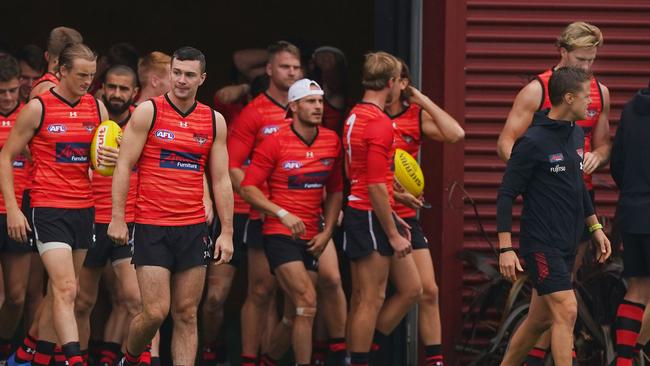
630 168
546 169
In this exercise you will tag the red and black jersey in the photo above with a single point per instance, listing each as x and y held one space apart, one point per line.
593 112
297 172
21 164
369 152
262 117
102 192
407 126
172 164
61 152
48 76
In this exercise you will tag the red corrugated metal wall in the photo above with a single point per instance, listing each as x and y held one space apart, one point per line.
510 41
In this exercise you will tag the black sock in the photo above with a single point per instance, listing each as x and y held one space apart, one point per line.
25 353
378 339
5 348
337 351
359 358
155 361
44 353
72 353
433 355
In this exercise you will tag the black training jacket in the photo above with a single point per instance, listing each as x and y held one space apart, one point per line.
630 165
546 169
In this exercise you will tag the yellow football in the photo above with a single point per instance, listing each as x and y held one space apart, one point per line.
408 173
106 134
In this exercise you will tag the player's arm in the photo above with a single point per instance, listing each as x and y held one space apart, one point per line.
331 209
241 139
133 140
379 141
437 124
250 62
519 170
24 129
521 115
262 165
595 228
222 188
601 140
207 201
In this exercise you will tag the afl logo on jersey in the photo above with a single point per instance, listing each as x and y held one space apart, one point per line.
56 128
270 130
291 164
164 135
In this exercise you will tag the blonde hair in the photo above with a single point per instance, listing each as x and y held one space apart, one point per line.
75 51
59 38
579 35
154 62
378 69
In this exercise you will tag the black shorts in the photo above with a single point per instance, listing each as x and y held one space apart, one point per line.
586 235
73 227
281 249
363 234
176 248
550 272
239 249
253 238
8 245
105 249
636 255
418 240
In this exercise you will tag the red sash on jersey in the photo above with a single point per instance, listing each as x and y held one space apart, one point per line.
61 152
172 164
21 164
593 112
407 126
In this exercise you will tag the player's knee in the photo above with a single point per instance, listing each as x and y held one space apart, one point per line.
16 298
565 312
412 292
214 301
306 298
260 292
132 304
65 291
155 314
83 305
430 293
185 315
329 282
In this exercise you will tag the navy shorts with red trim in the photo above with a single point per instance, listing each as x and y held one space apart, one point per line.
550 272
282 249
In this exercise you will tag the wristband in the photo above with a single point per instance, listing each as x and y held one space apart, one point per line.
595 227
281 213
505 250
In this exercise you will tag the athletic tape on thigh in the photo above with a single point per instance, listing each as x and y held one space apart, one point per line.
44 247
306 312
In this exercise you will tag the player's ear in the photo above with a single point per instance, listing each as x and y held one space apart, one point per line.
203 76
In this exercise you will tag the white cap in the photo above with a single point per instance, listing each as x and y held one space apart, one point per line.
302 88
